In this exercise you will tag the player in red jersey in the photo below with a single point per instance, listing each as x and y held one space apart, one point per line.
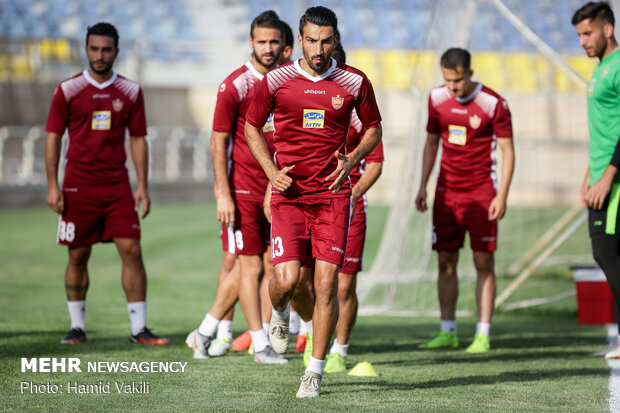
312 100
470 120
240 186
363 176
96 203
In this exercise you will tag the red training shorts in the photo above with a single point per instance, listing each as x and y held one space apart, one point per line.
356 239
97 214
250 236
453 215
309 227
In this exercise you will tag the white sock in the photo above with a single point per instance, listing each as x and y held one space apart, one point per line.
315 366
303 329
309 327
77 313
208 326
224 330
266 327
483 328
260 341
342 349
293 325
448 325
137 316
282 315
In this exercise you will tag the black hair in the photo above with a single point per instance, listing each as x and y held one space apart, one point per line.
103 29
287 34
455 57
595 11
268 19
339 54
319 15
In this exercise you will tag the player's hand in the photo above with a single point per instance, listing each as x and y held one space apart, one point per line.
226 210
142 196
56 200
341 173
596 194
497 209
280 180
420 200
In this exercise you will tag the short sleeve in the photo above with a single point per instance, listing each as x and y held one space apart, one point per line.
261 106
432 126
226 107
58 116
502 121
137 117
366 105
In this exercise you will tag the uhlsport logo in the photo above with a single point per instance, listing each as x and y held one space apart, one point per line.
313 118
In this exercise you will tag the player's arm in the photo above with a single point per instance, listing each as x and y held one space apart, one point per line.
369 141
223 196
596 194
498 204
584 188
55 199
267 203
140 155
372 171
428 161
278 178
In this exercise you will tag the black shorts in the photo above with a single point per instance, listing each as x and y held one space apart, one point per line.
605 220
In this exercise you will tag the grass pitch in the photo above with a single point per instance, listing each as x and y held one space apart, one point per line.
539 359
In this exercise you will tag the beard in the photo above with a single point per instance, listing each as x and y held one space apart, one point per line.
106 69
261 60
319 67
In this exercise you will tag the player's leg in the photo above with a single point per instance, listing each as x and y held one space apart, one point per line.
227 286
303 300
133 279
281 290
485 299
251 267
348 305
76 286
483 237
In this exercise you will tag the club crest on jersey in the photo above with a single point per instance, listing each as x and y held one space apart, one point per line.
313 118
474 121
117 105
102 120
337 102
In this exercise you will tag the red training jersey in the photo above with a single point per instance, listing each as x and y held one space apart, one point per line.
356 133
247 179
469 128
96 115
311 120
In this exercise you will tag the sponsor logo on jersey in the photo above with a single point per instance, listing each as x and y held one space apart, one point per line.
313 118
459 111
117 105
337 102
222 87
457 134
474 121
269 124
314 92
591 87
102 120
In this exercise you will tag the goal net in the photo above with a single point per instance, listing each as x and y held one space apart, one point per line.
520 50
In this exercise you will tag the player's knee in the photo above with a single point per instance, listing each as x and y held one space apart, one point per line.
78 257
326 288
447 266
346 288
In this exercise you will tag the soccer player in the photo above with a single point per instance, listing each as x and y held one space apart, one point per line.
240 192
312 99
96 203
470 120
600 190
362 177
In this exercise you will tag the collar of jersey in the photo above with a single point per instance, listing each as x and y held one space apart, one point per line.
97 84
252 69
319 77
471 96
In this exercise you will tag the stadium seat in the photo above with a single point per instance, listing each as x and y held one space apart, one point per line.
489 68
521 72
397 68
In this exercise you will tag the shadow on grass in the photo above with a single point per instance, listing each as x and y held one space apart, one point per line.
493 379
